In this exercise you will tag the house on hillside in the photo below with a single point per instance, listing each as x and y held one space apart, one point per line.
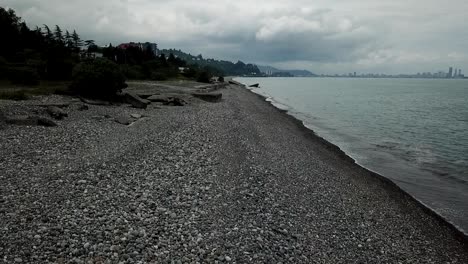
153 47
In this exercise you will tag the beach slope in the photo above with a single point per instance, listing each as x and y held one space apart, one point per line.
232 181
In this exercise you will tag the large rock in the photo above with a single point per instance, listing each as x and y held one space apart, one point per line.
60 105
209 97
124 120
56 112
236 83
42 121
145 95
136 101
158 98
175 101
94 102
30 121
168 100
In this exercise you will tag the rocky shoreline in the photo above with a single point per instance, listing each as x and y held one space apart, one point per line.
233 180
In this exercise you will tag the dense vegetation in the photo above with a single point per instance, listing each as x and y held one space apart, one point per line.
99 78
221 67
29 56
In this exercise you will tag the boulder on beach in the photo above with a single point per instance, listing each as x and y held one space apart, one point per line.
144 95
236 83
94 102
136 101
209 97
175 101
56 112
254 85
30 121
168 100
158 98
124 120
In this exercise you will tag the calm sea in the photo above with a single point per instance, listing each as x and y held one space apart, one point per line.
413 131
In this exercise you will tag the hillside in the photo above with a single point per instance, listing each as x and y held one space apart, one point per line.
295 73
220 66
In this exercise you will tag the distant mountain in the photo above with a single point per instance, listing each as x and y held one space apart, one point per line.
296 73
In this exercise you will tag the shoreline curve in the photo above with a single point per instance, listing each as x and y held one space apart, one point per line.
459 234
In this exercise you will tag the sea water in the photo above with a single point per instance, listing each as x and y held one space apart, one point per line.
412 131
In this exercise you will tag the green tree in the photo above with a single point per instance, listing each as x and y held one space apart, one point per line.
49 37
58 34
99 78
89 42
171 59
68 40
77 42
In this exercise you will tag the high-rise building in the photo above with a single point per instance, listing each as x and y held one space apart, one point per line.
449 74
459 73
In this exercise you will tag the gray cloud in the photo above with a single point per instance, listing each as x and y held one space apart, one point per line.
326 36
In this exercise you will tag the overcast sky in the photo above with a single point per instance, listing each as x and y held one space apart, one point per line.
323 36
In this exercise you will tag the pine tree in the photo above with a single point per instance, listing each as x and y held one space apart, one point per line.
68 40
77 42
48 34
89 42
58 34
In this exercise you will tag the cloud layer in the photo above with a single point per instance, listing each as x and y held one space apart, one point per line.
326 36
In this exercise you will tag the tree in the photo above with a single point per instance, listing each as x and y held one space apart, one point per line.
99 78
49 38
204 77
89 42
77 42
171 59
58 34
68 40
163 59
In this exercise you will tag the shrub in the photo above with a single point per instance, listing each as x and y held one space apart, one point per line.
132 72
99 78
204 77
190 73
220 79
23 75
158 76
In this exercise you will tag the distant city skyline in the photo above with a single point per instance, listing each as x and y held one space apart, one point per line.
450 74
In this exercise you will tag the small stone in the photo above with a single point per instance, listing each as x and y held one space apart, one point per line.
83 107
114 248
37 237
227 258
18 260
136 116
123 120
82 182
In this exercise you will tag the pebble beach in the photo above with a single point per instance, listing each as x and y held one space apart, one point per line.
232 181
